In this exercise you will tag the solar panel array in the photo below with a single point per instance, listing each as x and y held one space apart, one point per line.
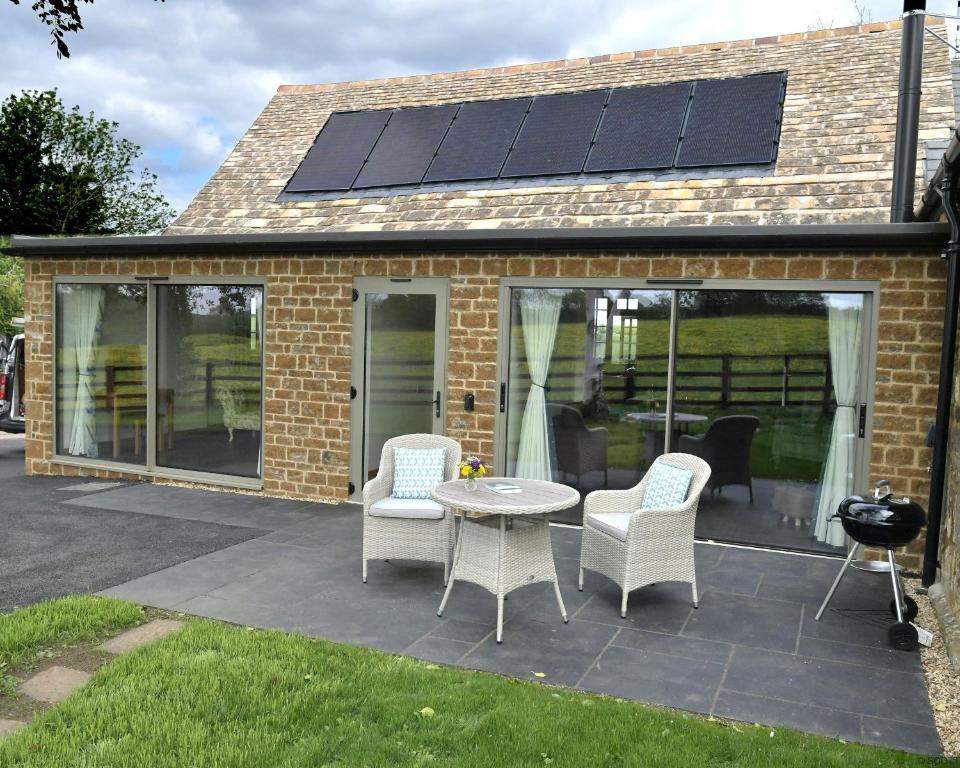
704 123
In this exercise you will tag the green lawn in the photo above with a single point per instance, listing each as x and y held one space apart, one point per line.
215 695
65 621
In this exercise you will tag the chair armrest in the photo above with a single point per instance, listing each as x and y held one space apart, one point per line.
374 491
611 501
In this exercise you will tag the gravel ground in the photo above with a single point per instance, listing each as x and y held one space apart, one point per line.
943 683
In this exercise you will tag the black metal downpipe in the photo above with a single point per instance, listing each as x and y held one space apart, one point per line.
908 112
938 467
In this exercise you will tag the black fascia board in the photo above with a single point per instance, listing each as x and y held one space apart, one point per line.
808 237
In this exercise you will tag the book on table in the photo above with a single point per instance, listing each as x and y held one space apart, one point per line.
504 488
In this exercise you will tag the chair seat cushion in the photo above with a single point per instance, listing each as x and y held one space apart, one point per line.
611 523
417 471
411 509
667 486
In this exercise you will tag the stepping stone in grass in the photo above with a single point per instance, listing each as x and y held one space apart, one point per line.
9 726
54 684
140 636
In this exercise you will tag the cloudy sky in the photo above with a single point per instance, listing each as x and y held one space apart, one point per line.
185 78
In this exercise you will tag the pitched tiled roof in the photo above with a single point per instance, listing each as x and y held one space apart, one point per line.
834 162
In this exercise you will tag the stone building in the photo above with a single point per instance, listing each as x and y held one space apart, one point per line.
715 261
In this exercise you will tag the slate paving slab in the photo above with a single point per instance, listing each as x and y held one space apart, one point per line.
54 684
142 635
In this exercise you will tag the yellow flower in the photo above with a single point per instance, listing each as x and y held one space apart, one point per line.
482 469
464 470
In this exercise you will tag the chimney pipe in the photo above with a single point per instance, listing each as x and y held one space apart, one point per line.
908 112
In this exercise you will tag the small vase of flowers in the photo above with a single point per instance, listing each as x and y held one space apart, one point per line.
471 470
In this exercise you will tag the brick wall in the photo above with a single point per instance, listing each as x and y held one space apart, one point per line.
950 530
308 346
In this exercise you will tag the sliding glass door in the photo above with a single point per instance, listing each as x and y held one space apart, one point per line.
162 374
101 372
768 385
587 385
209 347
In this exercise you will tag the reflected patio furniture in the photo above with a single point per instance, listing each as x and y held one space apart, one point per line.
580 449
655 437
726 447
236 414
408 529
635 547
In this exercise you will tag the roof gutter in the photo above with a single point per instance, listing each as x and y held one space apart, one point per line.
811 237
930 202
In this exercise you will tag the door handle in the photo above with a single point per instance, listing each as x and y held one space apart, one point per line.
436 404
862 426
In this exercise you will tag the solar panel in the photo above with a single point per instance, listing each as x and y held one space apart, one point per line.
640 128
478 141
338 152
732 122
556 135
406 146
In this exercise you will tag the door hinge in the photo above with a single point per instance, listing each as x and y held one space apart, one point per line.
353 393
356 295
862 429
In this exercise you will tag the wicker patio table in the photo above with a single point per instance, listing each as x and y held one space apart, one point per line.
504 539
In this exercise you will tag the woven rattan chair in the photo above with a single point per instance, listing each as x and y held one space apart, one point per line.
408 529
635 547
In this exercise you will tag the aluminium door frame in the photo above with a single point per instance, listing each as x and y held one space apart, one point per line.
435 286
871 313
149 468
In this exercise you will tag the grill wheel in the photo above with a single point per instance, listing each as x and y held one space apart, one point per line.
910 608
903 636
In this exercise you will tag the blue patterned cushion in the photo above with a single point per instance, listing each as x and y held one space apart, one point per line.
667 486
417 471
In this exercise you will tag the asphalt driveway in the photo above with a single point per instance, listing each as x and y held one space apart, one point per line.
50 548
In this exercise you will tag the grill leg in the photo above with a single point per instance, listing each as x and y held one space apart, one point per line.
895 580
836 581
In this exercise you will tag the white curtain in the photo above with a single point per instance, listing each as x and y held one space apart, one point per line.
539 313
83 309
836 482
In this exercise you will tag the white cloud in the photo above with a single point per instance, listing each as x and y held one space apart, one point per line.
185 79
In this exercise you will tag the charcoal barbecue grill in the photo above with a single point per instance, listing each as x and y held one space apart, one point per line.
884 522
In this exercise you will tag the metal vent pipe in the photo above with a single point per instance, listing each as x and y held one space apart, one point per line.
908 112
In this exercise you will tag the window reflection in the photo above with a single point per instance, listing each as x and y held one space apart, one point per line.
209 345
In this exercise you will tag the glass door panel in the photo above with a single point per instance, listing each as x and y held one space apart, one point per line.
101 359
768 386
587 385
209 374
400 377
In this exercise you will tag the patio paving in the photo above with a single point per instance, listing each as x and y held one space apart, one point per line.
751 652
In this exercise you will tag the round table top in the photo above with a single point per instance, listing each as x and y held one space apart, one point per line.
659 418
538 497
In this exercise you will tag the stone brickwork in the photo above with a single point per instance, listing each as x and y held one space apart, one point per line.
308 345
950 530
834 162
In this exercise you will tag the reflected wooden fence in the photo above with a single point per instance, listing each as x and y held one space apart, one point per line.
715 381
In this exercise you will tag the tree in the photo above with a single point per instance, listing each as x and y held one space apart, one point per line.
66 173
11 290
61 16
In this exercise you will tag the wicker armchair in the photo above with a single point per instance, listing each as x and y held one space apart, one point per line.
726 447
580 449
410 529
635 547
